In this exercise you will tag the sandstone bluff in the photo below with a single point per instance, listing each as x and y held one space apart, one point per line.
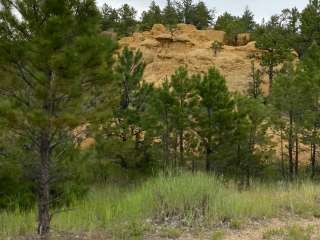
165 50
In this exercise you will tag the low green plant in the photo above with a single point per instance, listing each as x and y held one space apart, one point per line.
170 232
218 235
235 224
273 233
293 232
299 233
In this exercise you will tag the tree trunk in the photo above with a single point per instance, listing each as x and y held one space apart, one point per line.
248 178
296 165
282 154
290 147
181 148
44 188
270 73
208 153
313 160
175 160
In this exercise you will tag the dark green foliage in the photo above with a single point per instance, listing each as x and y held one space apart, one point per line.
151 17
310 24
247 21
122 140
214 114
162 112
230 25
127 20
129 70
121 21
53 59
170 15
110 18
272 39
183 95
234 25
185 10
251 142
309 83
202 16
287 98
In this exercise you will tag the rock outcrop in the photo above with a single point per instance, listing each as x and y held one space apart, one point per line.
165 50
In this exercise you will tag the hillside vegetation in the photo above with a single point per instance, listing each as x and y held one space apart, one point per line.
123 126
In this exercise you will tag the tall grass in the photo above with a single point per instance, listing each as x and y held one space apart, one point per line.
188 199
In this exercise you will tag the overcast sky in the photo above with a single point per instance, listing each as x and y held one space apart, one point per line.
261 8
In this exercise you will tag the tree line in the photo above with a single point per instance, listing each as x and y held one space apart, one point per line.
61 83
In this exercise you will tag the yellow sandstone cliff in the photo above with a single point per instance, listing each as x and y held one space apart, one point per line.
165 50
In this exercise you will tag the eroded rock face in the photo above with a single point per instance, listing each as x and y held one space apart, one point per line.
164 51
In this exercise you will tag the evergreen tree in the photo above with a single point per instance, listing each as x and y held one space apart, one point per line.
202 17
162 124
170 15
309 78
127 20
182 92
185 9
289 22
255 90
247 20
54 59
310 24
213 114
231 25
123 137
272 40
288 99
250 137
110 18
151 17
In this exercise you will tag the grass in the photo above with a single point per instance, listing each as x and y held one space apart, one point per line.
187 199
293 232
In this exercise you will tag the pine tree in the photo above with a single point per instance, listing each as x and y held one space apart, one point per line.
291 23
247 20
127 20
202 17
288 99
310 24
255 90
151 17
126 129
170 15
309 78
54 59
182 92
272 40
250 137
110 18
231 25
162 123
213 114
185 9
130 69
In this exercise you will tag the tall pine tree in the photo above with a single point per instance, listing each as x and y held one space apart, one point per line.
54 59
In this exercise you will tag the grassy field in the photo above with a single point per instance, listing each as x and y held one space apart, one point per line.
188 199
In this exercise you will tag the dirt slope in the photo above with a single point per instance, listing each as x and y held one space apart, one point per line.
164 51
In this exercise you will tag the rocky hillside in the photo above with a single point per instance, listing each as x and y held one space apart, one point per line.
164 51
